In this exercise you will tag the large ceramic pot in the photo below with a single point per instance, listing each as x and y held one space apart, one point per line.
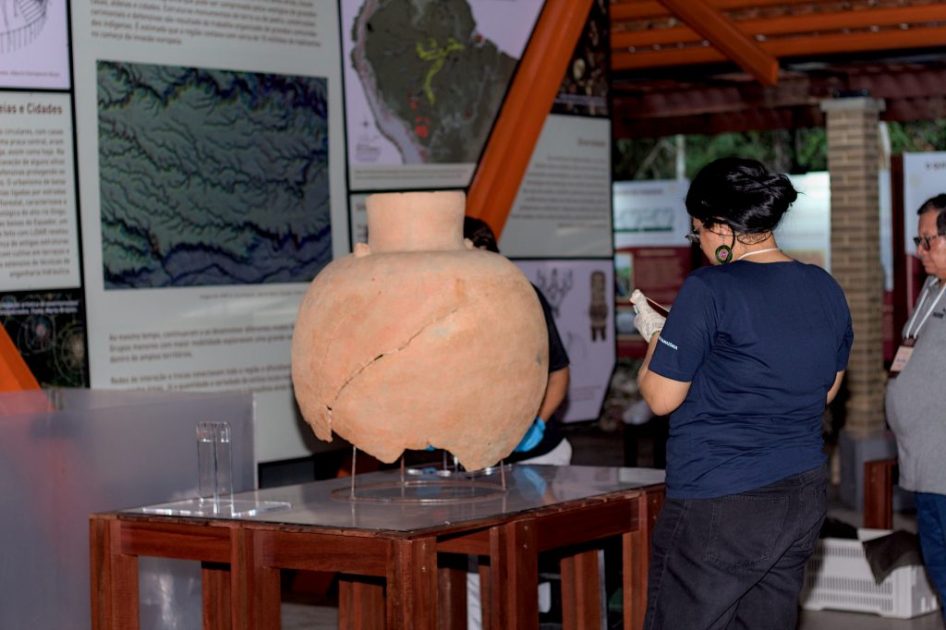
417 339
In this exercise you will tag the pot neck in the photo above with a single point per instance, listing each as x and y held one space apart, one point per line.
415 221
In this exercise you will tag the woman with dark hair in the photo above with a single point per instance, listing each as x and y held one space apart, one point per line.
544 442
752 351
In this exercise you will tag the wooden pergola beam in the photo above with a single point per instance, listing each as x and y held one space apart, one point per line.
645 59
636 9
857 42
921 37
759 119
787 25
725 36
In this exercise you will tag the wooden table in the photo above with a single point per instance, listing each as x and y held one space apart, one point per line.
388 553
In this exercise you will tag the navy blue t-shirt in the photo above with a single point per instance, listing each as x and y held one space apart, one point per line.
760 344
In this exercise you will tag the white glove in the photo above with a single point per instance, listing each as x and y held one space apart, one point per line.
647 321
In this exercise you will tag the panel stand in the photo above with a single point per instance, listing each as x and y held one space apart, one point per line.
215 481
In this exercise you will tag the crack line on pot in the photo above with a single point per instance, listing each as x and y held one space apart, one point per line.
380 356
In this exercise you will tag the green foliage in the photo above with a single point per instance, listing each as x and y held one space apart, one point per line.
791 151
701 150
644 158
784 150
811 150
917 136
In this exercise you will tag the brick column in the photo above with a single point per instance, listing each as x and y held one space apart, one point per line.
853 163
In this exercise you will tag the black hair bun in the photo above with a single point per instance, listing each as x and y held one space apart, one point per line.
741 193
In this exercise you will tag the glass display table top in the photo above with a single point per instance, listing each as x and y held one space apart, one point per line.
389 502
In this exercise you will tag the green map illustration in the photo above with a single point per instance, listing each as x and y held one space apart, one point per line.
433 81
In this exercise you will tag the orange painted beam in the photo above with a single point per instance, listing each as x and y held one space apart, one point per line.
801 24
722 33
15 376
919 37
523 113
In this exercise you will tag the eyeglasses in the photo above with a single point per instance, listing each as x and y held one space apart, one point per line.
694 236
926 241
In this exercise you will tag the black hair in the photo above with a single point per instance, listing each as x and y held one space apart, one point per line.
479 232
937 203
741 193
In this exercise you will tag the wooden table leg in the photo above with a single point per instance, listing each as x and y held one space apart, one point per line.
514 576
255 596
451 592
114 578
412 585
486 600
636 558
581 591
215 584
360 603
100 582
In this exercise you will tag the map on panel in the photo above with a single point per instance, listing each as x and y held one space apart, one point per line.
425 80
211 177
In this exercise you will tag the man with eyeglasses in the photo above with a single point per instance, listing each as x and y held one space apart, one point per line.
915 408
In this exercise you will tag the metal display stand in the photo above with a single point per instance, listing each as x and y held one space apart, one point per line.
215 481
427 485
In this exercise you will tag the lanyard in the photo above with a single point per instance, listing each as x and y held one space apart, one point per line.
929 312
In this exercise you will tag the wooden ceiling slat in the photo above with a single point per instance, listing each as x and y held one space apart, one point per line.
848 19
621 40
709 124
637 9
664 58
789 25
920 37
644 100
723 34
675 100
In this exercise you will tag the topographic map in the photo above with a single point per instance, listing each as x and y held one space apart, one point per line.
432 80
211 177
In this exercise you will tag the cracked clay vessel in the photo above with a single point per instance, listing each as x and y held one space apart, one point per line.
417 339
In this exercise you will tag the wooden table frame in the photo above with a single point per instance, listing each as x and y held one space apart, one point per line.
390 579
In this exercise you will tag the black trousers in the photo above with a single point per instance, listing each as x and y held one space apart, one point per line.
736 561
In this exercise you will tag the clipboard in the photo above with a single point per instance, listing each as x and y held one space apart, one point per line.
663 310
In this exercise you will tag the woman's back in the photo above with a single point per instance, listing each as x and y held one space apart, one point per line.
761 345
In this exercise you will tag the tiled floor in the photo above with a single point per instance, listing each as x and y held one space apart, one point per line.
829 620
304 617
592 447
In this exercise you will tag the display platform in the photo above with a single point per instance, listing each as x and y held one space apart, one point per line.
389 551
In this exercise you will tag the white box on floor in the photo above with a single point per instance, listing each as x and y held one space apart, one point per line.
838 578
